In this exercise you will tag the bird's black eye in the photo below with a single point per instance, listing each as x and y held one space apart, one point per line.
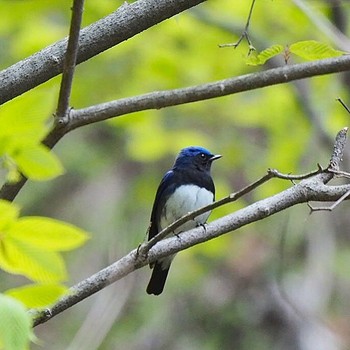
203 156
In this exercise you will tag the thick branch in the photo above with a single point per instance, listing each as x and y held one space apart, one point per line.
307 190
124 23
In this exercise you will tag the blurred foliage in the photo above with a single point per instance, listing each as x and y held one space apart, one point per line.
29 246
21 130
221 294
15 324
37 295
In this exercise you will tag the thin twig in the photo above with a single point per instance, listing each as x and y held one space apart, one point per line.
70 62
296 177
340 173
331 207
343 104
244 34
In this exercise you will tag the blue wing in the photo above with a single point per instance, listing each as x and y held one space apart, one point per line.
165 189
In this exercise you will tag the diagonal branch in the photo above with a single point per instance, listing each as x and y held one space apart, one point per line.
126 22
311 188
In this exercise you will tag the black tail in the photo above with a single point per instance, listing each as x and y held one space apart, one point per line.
158 278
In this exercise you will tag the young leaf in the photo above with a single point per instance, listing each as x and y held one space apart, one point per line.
47 233
15 324
31 261
37 162
37 295
255 59
314 50
8 214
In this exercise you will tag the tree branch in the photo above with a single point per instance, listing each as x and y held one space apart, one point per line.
312 188
167 98
70 62
127 21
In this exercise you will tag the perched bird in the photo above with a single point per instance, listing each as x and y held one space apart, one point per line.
186 187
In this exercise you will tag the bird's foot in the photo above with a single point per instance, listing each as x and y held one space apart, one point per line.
199 224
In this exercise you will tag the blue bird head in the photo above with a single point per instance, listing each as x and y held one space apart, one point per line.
195 157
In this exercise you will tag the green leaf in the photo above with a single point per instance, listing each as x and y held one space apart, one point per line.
255 59
314 50
37 295
25 120
23 124
48 234
37 162
15 325
31 261
8 214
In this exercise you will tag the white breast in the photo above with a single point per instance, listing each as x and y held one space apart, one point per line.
185 199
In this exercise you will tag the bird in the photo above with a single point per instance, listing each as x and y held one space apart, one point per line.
186 187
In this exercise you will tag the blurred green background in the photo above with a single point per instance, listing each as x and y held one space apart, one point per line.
244 290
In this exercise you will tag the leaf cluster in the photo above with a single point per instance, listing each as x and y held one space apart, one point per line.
307 49
22 129
31 246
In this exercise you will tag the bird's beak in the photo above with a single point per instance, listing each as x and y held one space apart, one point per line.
216 156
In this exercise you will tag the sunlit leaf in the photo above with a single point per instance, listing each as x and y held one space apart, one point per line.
31 261
25 120
8 214
314 50
15 324
255 59
37 162
47 233
37 295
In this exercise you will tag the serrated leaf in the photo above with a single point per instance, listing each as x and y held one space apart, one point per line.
8 214
37 162
47 233
33 262
255 59
314 50
37 295
15 324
